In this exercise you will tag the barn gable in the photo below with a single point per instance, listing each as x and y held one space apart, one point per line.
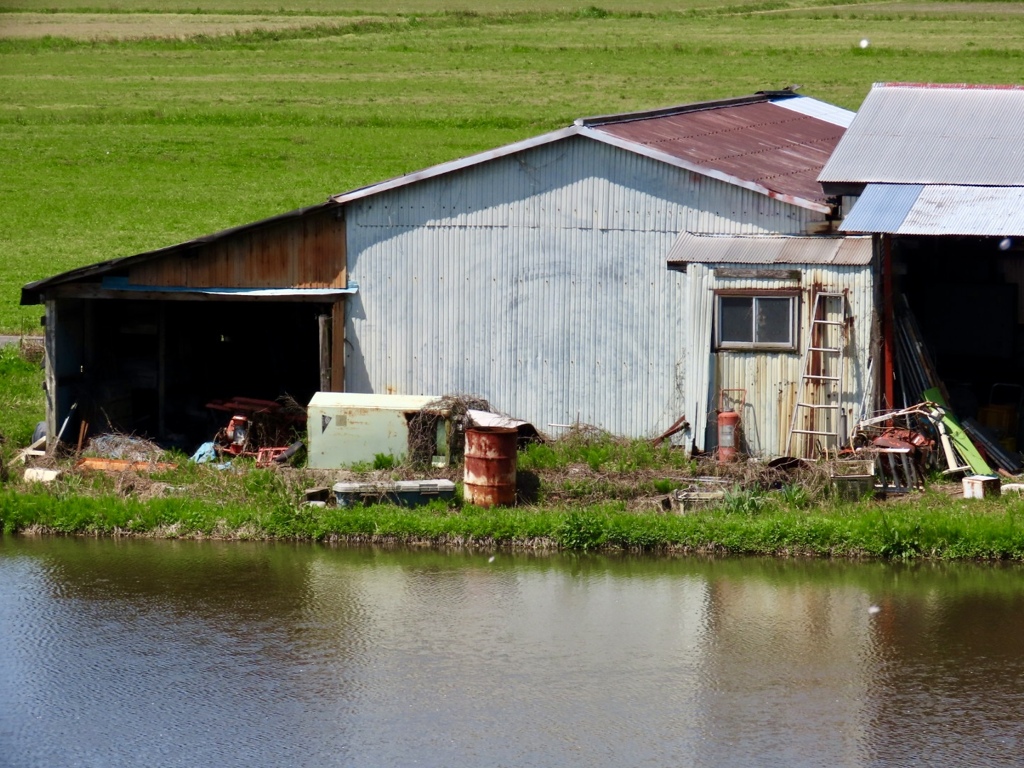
536 276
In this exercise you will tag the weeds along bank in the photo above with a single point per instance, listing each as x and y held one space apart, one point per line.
614 513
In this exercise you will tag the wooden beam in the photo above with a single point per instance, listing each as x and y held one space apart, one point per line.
338 347
50 374
326 371
888 320
754 274
94 291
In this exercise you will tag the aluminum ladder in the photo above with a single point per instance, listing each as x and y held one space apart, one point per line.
817 412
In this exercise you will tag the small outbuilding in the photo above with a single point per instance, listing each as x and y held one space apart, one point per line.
143 344
622 272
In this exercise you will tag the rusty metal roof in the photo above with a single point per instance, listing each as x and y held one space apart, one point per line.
773 142
778 148
769 249
914 133
938 209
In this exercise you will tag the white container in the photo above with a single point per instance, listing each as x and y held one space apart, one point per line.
345 428
981 487
407 493
39 475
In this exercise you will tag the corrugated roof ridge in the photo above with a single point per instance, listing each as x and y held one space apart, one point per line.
952 86
681 109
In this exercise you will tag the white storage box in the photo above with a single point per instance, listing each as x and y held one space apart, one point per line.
981 486
345 428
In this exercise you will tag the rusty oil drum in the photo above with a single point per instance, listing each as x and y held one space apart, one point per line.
491 466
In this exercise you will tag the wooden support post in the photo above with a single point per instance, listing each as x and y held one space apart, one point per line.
338 347
50 374
325 352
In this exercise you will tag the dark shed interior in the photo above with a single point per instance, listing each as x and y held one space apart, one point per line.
150 368
966 296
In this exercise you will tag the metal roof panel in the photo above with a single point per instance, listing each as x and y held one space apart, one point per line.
933 134
776 147
690 248
940 209
881 208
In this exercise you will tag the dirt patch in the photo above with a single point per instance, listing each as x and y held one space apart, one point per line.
136 26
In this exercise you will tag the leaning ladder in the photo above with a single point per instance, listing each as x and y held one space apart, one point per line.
817 413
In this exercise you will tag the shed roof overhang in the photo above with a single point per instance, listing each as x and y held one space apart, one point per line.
767 250
88 279
938 209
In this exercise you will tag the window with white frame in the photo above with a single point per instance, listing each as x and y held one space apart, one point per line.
756 320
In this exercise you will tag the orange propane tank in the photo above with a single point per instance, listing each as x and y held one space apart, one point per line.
727 423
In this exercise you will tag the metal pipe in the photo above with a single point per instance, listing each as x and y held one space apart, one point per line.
887 320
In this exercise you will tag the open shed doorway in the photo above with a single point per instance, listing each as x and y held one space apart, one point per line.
154 366
966 296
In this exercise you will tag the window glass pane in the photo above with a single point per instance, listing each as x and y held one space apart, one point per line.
735 313
774 324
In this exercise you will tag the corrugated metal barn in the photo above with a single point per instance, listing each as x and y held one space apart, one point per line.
936 174
536 275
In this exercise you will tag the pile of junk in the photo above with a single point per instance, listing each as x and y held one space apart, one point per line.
924 434
263 430
899 448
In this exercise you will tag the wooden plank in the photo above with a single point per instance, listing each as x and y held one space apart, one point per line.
99 464
32 450
94 291
338 347
324 322
50 375
304 252
756 274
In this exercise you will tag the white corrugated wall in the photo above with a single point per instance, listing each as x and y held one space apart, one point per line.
771 380
539 282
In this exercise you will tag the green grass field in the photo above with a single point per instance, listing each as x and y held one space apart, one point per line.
124 128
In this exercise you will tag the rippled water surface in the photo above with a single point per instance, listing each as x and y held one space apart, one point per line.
221 654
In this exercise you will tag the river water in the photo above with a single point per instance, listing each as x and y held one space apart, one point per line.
163 653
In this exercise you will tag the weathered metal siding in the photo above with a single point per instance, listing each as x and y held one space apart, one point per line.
772 379
307 252
539 281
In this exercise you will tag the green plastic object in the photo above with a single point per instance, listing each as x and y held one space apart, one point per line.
961 441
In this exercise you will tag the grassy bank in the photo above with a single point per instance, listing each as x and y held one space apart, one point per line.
586 491
933 526
133 128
